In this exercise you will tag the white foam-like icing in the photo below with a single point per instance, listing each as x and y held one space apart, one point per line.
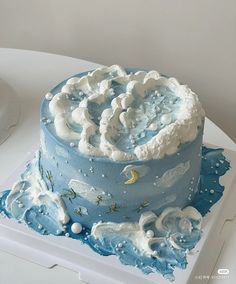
98 89
180 221
39 194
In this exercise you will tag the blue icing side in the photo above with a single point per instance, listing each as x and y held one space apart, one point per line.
171 248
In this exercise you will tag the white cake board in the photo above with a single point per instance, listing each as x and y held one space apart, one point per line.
49 251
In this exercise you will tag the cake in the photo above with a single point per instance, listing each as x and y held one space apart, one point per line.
119 167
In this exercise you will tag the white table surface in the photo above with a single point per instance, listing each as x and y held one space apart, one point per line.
31 74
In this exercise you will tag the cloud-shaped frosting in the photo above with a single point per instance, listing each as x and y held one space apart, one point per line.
125 116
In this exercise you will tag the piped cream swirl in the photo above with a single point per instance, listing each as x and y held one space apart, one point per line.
139 98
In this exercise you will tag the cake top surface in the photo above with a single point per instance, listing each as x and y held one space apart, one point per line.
123 115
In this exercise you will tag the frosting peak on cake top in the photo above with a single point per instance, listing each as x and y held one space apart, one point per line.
126 116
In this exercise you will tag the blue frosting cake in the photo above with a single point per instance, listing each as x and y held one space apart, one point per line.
119 166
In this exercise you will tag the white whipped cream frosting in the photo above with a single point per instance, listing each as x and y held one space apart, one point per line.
179 221
96 88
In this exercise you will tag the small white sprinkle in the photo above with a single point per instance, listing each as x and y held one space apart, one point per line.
150 234
81 93
162 245
79 170
67 162
72 144
112 91
166 119
21 205
49 121
85 175
90 160
49 96
67 235
40 227
103 175
210 201
155 253
76 228
120 245
212 191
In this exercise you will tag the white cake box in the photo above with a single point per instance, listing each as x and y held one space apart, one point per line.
49 251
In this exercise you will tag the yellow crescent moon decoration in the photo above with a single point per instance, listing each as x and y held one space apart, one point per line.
134 177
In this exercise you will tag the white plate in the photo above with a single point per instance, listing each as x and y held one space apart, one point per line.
9 110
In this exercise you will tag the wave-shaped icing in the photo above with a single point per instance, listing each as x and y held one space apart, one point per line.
32 201
155 243
125 116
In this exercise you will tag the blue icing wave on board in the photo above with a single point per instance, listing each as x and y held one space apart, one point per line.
213 166
43 218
